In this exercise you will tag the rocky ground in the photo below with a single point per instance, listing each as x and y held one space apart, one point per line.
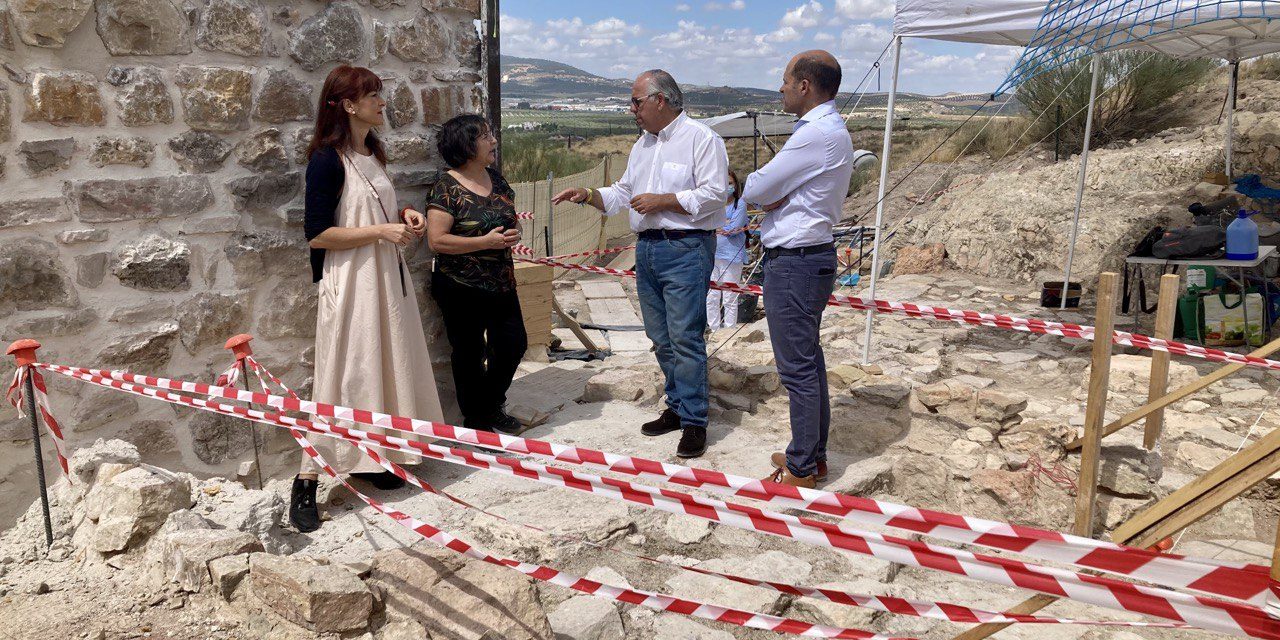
951 417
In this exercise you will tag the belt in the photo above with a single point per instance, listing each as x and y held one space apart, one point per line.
672 234
799 251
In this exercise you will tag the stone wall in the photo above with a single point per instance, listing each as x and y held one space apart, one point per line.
151 187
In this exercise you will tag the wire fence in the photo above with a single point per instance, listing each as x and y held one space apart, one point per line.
567 227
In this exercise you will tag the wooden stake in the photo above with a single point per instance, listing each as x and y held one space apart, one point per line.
1095 411
1180 393
1159 382
573 325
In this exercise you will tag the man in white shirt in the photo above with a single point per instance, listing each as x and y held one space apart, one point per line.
803 190
675 188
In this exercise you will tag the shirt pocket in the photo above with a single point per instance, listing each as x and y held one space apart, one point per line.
675 177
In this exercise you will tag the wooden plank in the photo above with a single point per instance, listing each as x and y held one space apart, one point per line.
573 325
1096 409
1159 381
1168 516
1141 412
596 289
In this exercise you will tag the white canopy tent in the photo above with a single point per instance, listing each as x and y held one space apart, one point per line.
1232 31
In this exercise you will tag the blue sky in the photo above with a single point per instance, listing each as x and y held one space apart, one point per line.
739 42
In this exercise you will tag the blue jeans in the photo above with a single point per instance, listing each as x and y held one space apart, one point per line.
672 278
796 289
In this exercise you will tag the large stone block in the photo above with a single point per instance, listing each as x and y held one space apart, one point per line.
138 152
58 323
91 269
456 598
19 213
199 151
233 26
215 98
421 39
144 351
319 597
217 438
586 618
46 23
208 319
6 126
265 193
144 27
98 407
133 504
335 34
293 315
154 263
6 35
64 98
263 152
472 7
441 103
256 256
283 97
43 157
409 148
32 277
143 98
402 106
142 199
465 42
186 555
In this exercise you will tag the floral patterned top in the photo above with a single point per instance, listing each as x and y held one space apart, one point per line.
475 216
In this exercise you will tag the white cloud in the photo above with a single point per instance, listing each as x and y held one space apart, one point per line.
805 16
683 8
784 34
736 5
864 9
864 37
822 37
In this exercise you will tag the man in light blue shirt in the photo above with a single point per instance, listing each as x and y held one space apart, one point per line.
803 190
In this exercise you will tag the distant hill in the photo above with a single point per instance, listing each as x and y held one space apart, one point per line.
535 79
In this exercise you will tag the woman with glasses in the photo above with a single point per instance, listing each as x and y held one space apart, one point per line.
471 225
371 352
731 254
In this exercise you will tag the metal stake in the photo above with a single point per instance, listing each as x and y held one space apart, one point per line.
253 426
35 444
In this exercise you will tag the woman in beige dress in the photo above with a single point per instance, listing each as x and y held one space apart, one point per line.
371 352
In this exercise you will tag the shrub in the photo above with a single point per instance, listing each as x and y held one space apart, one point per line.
528 157
1137 85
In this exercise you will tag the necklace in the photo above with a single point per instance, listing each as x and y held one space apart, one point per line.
404 290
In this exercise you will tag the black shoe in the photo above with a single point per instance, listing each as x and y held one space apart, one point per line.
303 512
666 423
504 422
382 480
693 442
478 424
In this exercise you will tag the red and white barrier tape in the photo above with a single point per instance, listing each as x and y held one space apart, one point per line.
538 572
888 604
1237 581
524 250
15 395
1030 325
1202 612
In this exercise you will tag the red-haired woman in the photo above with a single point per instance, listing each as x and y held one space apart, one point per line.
371 352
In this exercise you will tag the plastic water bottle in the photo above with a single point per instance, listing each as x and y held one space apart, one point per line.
1242 238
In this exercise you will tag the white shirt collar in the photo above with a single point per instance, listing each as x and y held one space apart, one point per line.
669 130
825 109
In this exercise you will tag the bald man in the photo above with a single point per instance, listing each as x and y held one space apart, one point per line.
802 190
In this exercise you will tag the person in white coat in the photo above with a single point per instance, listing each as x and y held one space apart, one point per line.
731 255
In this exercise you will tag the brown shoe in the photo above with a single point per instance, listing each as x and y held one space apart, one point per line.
779 461
783 476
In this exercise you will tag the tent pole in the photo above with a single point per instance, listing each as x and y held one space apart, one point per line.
1231 116
1084 171
884 180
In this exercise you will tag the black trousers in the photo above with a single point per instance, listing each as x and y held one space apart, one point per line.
486 331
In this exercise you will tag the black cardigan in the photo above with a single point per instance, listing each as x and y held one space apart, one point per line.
325 179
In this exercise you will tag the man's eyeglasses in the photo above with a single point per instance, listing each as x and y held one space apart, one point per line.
636 102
